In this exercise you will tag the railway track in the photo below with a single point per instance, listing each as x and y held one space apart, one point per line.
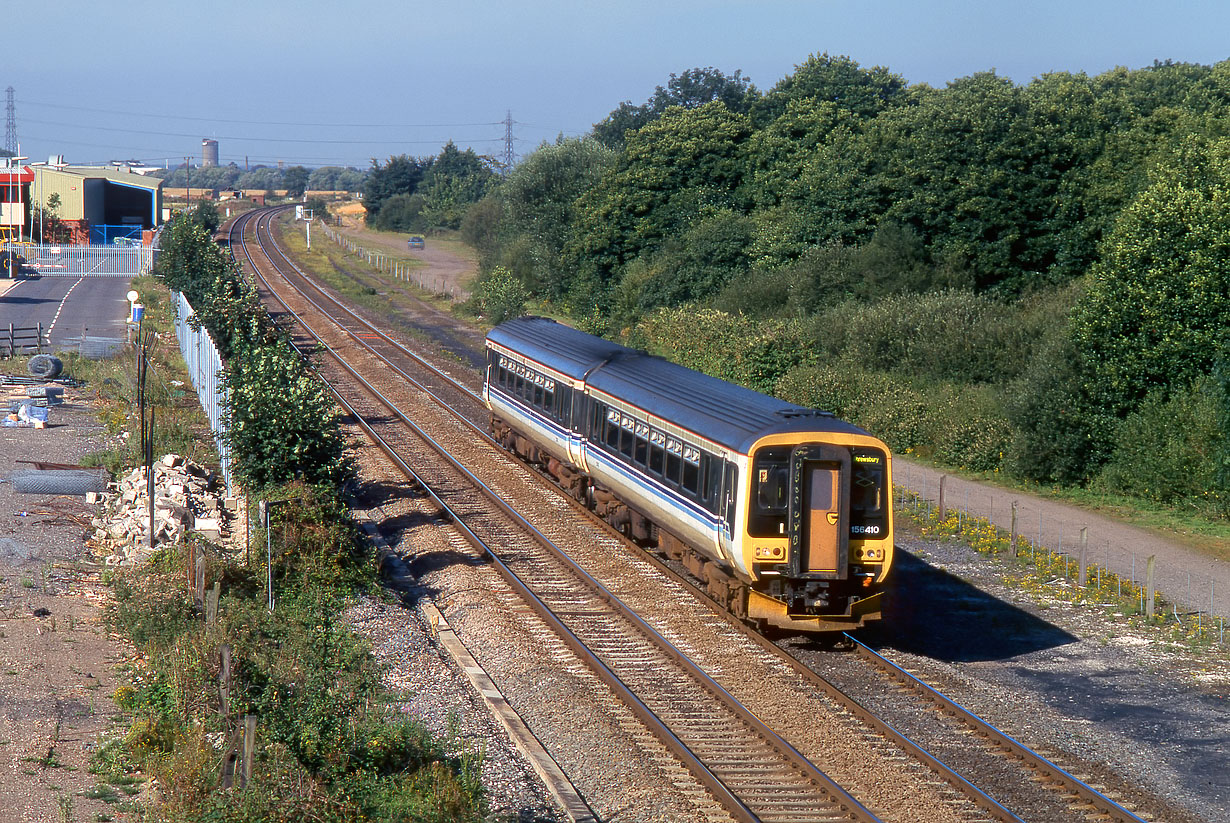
755 773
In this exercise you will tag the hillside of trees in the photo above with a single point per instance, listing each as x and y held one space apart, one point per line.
295 179
1026 279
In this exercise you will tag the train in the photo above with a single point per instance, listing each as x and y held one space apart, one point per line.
783 512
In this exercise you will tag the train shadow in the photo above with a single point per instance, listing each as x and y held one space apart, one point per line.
403 572
934 614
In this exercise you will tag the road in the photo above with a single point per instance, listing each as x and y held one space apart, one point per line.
83 311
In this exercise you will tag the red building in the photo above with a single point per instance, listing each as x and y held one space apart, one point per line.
15 183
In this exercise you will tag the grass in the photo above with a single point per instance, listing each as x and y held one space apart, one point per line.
353 278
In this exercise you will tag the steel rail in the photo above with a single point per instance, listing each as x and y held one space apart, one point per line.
1007 745
838 796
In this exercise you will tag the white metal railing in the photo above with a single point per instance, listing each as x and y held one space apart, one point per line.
205 370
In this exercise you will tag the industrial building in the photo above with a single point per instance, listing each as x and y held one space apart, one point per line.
96 203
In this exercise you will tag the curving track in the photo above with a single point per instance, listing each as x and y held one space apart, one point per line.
754 771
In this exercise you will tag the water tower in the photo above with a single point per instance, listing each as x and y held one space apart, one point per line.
209 153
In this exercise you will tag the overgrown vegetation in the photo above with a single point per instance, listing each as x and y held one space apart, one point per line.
329 744
1023 279
281 421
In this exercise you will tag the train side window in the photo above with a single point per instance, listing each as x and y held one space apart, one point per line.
691 478
563 404
655 459
548 402
612 429
519 388
641 455
674 463
538 396
627 442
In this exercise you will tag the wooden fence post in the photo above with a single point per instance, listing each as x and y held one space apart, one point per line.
1150 568
1082 578
1013 530
249 747
943 506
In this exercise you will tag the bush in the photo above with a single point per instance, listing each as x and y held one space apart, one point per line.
1168 451
500 296
951 335
729 346
960 426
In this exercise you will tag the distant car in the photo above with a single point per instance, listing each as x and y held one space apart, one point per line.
128 242
415 242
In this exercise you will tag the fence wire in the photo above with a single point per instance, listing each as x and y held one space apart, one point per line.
1190 595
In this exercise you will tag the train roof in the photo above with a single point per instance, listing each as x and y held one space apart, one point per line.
725 413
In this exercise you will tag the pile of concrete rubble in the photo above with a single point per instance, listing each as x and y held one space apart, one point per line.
186 499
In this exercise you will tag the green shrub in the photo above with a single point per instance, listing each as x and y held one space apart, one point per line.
751 353
962 427
501 296
951 335
1168 451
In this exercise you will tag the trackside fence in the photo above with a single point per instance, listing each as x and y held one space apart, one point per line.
1073 563
205 368
52 259
397 269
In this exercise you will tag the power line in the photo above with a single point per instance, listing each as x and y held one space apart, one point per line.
259 122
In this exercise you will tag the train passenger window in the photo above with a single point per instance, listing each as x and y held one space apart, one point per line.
612 429
563 404
519 388
691 478
674 463
655 459
641 455
537 397
548 401
627 442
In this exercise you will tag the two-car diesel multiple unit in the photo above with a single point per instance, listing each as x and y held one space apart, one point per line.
783 511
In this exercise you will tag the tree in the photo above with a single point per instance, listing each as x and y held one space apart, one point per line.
399 175
295 181
837 80
682 167
1156 314
692 89
540 208
456 180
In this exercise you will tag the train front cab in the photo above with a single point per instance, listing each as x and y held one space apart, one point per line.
818 535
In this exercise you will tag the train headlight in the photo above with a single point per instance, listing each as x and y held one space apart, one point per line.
770 552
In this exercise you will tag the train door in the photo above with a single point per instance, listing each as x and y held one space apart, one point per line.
819 511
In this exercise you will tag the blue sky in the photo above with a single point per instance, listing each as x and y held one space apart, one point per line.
341 82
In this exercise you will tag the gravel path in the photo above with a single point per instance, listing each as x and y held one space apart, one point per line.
57 662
